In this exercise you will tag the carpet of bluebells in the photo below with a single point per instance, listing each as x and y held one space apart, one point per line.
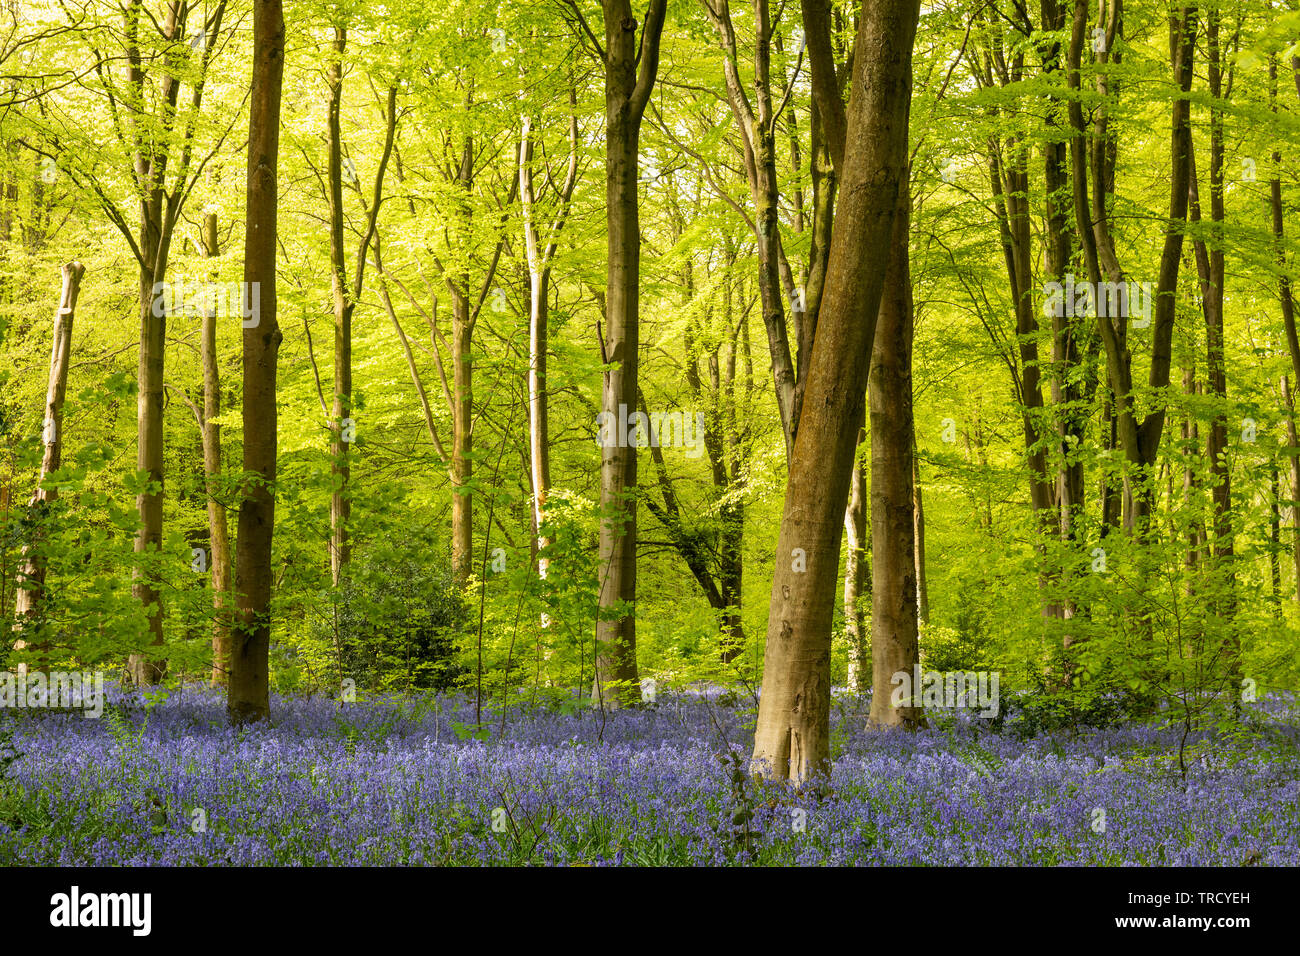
400 780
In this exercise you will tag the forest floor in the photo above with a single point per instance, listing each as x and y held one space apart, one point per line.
411 780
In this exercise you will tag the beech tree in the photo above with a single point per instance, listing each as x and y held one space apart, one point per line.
155 135
792 736
1089 502
631 62
249 694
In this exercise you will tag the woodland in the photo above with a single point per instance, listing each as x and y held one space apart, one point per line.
574 431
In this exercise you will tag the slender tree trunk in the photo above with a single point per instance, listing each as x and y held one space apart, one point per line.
462 440
1142 441
540 253
918 533
1067 392
754 126
1211 270
1191 440
1070 396
249 693
1112 487
539 439
792 735
1293 441
827 125
157 221
630 71
218 533
31 573
341 410
149 459
1275 536
823 179
731 573
857 581
1289 327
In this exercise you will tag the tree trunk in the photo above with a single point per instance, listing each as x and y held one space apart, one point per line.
540 253
1141 441
918 532
539 439
149 459
731 573
627 90
792 735
1067 392
1275 536
218 533
249 695
340 449
857 580
1191 439
895 588
754 124
1289 327
827 124
1211 269
1293 442
157 221
31 573
462 440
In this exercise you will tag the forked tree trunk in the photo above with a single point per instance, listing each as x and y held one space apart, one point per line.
627 90
791 739
218 532
31 570
1141 439
159 211
249 695
754 125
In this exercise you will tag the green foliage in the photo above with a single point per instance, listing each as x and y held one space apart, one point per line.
1165 622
